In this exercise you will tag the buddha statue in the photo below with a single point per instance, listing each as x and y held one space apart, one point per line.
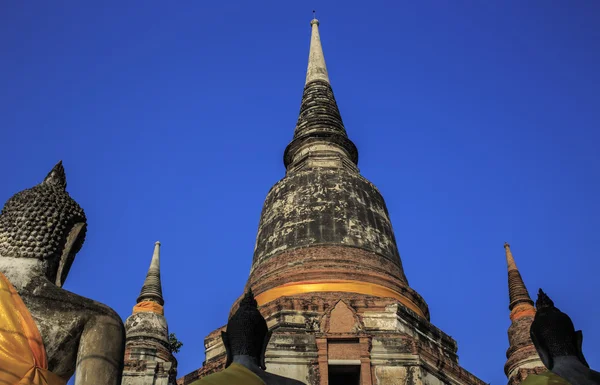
55 333
559 347
246 341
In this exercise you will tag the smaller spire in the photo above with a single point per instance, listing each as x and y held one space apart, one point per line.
152 289
516 287
317 70
521 354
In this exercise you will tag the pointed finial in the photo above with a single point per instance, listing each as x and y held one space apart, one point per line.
516 287
57 177
317 70
155 263
509 257
152 289
543 300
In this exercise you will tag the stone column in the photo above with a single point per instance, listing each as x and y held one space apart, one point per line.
365 361
323 360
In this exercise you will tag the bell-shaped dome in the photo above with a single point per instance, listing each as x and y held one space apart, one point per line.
324 227
325 207
147 325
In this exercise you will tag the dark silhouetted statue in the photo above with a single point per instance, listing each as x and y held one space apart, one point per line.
559 347
246 341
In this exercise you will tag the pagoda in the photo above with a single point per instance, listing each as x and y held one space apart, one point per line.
522 358
148 357
326 270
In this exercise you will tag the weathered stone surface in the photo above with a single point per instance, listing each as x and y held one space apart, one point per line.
147 325
518 334
318 111
36 223
396 375
517 291
342 319
293 351
41 231
148 357
317 70
152 288
327 262
522 358
327 269
319 121
428 378
325 207
147 364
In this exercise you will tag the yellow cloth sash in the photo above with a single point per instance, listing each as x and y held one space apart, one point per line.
235 374
149 307
546 378
23 358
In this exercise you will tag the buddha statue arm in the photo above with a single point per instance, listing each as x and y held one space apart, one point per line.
101 351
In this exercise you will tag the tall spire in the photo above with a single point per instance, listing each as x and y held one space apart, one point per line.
317 70
148 357
320 138
522 358
517 291
324 210
152 289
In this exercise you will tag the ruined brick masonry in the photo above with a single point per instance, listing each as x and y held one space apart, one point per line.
327 273
522 358
326 269
148 358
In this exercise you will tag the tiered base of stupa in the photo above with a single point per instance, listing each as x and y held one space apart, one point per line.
147 362
326 338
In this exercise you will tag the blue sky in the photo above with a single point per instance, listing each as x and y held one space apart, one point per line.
478 121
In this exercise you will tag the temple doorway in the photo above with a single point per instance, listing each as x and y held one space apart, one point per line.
344 375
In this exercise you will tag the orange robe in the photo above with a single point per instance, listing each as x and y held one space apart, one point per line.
23 358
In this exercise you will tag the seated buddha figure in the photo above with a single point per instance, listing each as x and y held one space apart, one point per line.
559 346
246 341
46 332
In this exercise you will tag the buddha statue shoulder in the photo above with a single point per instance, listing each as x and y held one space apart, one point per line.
41 231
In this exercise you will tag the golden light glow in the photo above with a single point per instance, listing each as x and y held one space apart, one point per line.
344 286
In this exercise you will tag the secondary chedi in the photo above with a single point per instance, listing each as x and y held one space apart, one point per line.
326 270
522 358
148 356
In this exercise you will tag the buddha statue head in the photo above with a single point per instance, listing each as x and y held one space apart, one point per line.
41 230
44 223
553 333
247 332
